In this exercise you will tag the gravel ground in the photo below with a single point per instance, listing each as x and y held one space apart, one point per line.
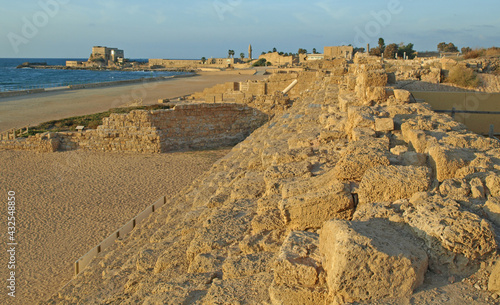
66 203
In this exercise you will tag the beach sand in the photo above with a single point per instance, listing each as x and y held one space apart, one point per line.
18 112
68 202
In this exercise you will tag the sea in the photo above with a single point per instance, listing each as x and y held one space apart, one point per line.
12 79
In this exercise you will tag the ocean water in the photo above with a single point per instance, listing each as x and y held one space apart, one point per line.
12 79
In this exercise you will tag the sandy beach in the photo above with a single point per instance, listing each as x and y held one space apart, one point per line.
67 203
18 112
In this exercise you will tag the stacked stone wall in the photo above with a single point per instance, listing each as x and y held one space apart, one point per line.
190 126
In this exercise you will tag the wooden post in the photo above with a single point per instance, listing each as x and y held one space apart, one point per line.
453 113
492 131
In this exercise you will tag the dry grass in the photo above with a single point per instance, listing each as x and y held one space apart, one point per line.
473 54
463 77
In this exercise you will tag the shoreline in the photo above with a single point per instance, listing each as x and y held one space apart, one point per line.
38 107
91 85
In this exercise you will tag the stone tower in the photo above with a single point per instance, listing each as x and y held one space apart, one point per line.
250 52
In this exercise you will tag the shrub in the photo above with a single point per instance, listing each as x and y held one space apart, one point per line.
463 77
472 54
494 51
260 63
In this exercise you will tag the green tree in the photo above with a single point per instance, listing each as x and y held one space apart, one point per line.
381 44
230 53
203 60
314 51
466 50
263 53
302 51
375 52
391 51
408 49
242 56
447 47
275 50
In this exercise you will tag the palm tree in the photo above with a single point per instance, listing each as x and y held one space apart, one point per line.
230 53
242 56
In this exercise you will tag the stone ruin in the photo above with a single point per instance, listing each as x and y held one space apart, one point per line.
185 126
354 193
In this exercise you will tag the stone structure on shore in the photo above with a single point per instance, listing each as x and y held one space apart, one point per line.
100 57
352 193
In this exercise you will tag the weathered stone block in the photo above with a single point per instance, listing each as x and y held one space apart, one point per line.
447 160
361 156
402 96
391 183
312 209
384 124
492 209
299 260
370 260
456 239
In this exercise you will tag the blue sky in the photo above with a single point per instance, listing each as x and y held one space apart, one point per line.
196 28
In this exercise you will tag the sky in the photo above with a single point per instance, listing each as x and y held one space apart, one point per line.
209 28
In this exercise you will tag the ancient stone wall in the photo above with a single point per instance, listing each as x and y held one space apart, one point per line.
190 126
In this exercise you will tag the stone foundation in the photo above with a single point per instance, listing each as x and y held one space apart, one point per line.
187 126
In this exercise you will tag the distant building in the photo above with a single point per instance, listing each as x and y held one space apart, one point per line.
346 52
316 56
277 59
108 54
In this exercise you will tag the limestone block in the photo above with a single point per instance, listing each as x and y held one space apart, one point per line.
492 209
384 124
391 183
377 94
456 238
494 280
373 78
414 158
446 161
360 117
361 156
360 133
299 260
346 100
456 189
477 188
370 260
493 185
312 209
417 138
402 96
